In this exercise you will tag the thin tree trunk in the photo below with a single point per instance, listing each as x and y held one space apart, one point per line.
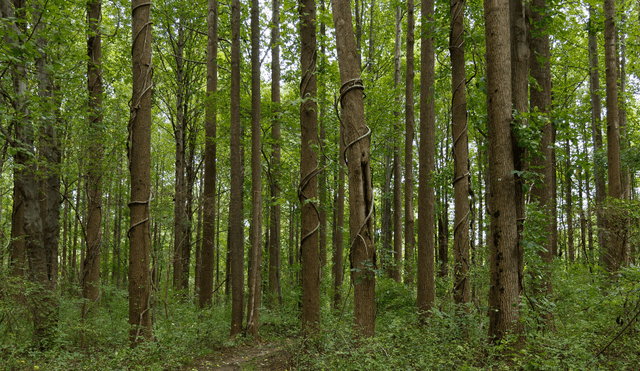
139 151
462 292
569 202
91 265
236 240
274 225
339 227
397 165
255 267
308 189
210 197
409 236
426 197
360 186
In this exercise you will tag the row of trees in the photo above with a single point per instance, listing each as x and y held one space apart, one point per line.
502 133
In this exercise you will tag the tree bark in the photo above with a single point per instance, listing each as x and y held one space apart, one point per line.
255 267
462 292
209 199
274 225
139 151
236 240
308 189
426 197
409 236
91 266
615 255
396 272
504 290
362 254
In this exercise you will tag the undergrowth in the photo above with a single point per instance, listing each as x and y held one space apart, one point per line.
591 330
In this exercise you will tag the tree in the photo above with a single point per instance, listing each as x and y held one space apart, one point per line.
426 196
139 148
409 236
615 256
362 254
255 266
504 278
91 274
209 199
308 189
274 224
462 293
236 249
396 271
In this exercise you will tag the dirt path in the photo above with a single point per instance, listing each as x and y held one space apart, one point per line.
261 356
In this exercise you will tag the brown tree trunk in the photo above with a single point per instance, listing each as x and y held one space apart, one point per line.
387 255
362 255
397 165
179 132
443 237
190 182
236 240
462 292
17 261
520 54
596 132
308 189
91 265
569 202
209 198
504 277
139 151
615 255
198 241
339 228
274 225
426 197
409 236
255 266
545 162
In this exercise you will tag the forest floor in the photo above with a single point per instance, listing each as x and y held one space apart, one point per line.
258 356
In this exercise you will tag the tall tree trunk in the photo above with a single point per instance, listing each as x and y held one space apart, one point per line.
339 227
520 55
255 267
504 277
139 151
308 189
615 254
409 236
362 256
387 256
426 197
209 199
569 202
596 132
179 132
236 240
443 236
274 225
462 292
91 266
188 227
540 101
198 241
397 165
17 262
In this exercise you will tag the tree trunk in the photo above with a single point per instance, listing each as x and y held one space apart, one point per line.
409 236
397 165
236 240
596 132
615 255
274 225
504 277
255 267
362 256
91 266
462 292
569 202
443 237
308 189
209 199
179 132
17 261
339 227
139 151
426 198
